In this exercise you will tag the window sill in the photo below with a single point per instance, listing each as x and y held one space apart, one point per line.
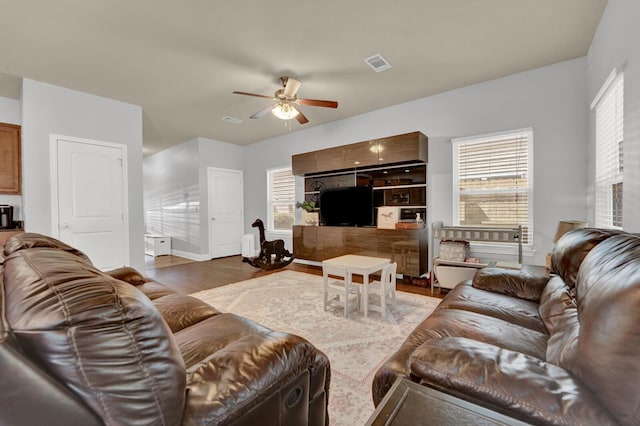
279 233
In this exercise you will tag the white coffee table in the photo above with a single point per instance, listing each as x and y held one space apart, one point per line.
360 265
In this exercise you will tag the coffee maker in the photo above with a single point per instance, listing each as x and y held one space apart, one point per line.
6 216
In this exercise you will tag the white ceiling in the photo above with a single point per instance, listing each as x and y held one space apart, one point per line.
181 60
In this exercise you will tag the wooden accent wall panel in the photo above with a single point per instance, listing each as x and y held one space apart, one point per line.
407 247
10 160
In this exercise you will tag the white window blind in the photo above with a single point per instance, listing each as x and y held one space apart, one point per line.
493 184
609 114
281 192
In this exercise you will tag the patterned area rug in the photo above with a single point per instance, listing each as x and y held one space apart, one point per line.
293 302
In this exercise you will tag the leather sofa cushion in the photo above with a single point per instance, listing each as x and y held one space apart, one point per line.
150 288
559 312
459 323
154 290
178 310
447 321
232 362
468 312
181 311
97 335
608 298
511 309
541 393
511 282
571 249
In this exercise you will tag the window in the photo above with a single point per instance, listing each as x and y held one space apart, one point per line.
493 182
608 105
281 198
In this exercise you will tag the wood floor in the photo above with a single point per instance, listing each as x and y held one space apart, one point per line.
188 276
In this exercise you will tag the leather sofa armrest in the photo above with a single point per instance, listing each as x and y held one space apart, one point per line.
519 385
31 397
511 282
320 379
128 275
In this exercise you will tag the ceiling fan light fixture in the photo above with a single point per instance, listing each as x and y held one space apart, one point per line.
285 101
285 111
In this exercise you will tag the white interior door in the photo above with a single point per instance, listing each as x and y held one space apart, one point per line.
91 198
226 218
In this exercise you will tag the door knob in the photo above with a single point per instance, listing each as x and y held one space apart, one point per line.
64 226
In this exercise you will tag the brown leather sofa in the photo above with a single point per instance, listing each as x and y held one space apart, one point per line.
83 347
559 351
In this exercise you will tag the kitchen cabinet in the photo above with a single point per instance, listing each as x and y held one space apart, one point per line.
10 160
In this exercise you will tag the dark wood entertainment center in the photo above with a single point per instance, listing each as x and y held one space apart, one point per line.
396 168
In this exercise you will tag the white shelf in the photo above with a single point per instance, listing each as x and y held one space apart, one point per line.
480 265
476 234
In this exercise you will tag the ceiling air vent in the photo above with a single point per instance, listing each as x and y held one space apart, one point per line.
230 119
378 63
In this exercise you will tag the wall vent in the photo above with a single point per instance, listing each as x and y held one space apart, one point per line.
230 119
378 63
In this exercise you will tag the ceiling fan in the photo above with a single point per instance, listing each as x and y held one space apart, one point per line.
285 102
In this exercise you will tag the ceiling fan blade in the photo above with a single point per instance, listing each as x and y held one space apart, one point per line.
301 118
254 94
292 87
263 112
318 102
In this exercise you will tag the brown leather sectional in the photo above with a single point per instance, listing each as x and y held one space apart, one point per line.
559 351
83 347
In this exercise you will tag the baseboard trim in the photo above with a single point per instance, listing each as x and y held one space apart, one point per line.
307 262
192 256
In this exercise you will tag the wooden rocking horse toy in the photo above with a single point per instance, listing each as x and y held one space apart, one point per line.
272 255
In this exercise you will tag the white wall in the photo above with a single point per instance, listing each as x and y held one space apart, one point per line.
176 192
615 45
552 100
219 155
172 196
10 113
49 109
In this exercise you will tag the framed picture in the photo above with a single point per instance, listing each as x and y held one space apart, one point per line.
388 217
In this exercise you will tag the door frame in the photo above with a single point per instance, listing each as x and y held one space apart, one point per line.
53 155
210 171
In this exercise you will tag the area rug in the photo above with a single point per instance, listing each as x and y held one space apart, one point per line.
292 301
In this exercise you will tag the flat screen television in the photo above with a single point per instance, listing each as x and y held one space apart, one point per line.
348 206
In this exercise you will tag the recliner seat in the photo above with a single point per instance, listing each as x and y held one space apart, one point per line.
87 347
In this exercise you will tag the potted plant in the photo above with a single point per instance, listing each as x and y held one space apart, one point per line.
309 214
306 205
